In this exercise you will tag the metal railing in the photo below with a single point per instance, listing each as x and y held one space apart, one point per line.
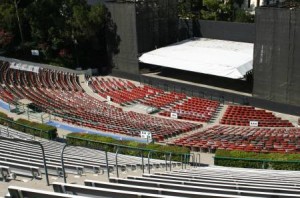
35 143
185 158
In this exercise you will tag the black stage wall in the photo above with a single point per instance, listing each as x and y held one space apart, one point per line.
276 55
142 26
157 24
241 32
123 15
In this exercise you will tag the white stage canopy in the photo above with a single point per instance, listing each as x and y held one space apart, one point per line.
209 56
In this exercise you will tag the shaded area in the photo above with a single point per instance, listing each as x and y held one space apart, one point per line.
241 32
124 25
276 55
220 82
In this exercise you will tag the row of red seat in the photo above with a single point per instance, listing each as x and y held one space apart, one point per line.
121 91
52 92
253 139
242 115
194 109
163 99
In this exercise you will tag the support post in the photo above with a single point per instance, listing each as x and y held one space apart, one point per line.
199 157
62 163
143 165
166 161
170 158
149 162
107 167
185 156
182 158
117 152
35 143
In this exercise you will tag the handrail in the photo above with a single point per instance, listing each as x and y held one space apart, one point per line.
36 143
149 154
117 168
62 163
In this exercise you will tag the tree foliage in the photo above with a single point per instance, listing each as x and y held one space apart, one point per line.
64 31
218 10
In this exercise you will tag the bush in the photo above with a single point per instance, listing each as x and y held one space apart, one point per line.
276 161
3 115
243 16
33 128
109 144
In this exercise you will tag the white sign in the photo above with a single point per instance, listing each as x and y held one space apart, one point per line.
146 135
253 123
35 52
24 67
108 98
174 115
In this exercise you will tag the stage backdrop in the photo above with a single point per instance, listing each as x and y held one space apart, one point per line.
276 55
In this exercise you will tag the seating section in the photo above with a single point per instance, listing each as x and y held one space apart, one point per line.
204 182
281 140
242 115
125 92
121 91
194 109
60 94
25 159
163 99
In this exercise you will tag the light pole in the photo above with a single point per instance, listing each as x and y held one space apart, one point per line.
76 50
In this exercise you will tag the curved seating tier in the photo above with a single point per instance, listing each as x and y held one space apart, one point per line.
59 93
281 140
242 115
124 92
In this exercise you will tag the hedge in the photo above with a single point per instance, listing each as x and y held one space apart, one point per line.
33 128
128 147
3 115
276 161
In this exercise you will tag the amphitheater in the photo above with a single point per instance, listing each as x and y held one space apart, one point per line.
123 108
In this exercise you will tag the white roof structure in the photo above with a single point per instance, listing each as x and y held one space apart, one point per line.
202 55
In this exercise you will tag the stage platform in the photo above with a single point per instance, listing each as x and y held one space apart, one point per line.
202 55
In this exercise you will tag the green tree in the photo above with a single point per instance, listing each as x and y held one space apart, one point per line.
7 15
212 7
243 16
16 6
67 32
12 18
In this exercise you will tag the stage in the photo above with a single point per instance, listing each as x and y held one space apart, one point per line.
208 56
